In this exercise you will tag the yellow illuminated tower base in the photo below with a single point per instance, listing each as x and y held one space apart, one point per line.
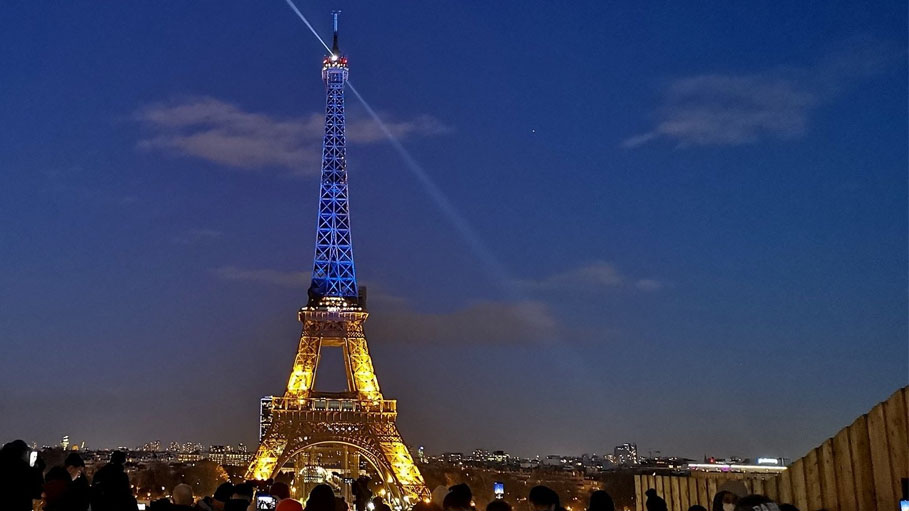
360 418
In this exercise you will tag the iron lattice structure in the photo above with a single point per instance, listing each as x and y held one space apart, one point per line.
333 272
333 317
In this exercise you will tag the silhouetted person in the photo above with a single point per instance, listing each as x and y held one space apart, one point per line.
361 492
321 498
378 504
459 498
66 488
756 503
236 505
425 506
600 501
495 505
216 502
289 505
788 507
279 491
162 504
544 498
56 482
182 497
243 495
654 502
110 487
697 507
728 494
19 482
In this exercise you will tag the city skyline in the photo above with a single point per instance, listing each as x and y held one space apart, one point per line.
699 246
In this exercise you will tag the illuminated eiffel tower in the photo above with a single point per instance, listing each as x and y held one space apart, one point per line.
360 421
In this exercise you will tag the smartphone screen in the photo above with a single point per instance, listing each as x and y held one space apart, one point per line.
141 506
32 458
266 502
904 505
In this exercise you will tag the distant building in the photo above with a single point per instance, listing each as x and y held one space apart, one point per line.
480 455
553 460
626 454
452 457
266 405
65 442
735 467
189 457
185 448
227 455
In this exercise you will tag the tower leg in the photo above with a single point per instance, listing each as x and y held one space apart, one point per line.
362 372
265 464
303 376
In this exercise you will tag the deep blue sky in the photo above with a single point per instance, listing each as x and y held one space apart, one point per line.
699 213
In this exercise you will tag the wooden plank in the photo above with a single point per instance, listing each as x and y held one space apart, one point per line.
684 499
692 491
785 488
845 481
797 480
645 485
862 473
638 493
898 438
659 487
711 487
827 472
812 481
757 486
906 404
704 494
675 494
880 458
770 488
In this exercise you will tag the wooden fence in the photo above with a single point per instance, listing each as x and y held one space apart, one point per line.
858 469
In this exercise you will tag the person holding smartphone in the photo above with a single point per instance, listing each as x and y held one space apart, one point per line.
20 481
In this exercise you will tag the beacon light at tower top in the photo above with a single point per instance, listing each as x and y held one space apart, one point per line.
334 61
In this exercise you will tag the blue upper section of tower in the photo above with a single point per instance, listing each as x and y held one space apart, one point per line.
333 273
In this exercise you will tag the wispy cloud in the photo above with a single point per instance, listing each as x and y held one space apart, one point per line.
486 322
481 322
594 276
264 276
224 133
735 109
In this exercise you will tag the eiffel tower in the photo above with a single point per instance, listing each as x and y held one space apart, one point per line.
360 421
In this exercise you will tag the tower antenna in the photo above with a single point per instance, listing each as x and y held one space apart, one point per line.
334 43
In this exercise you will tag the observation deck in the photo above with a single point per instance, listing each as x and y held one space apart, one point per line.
339 403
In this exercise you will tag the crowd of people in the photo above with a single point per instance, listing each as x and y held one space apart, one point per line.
24 482
730 496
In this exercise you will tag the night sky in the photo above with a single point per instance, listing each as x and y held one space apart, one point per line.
684 224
